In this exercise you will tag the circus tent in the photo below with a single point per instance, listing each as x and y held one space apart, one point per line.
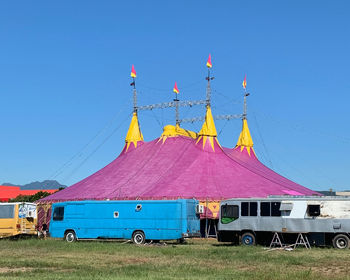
182 164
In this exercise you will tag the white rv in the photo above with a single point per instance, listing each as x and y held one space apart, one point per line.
324 220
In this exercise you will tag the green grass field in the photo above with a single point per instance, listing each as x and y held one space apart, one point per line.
198 259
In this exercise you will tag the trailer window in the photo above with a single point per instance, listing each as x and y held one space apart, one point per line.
7 211
58 214
265 209
229 213
249 209
313 210
268 209
253 209
275 209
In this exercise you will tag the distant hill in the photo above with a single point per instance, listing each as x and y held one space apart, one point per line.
9 185
44 185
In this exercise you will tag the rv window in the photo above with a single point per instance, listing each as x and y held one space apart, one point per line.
7 211
275 209
229 213
253 209
268 209
58 214
245 209
313 210
249 209
265 209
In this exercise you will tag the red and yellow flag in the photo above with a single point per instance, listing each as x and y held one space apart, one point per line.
244 84
175 89
209 65
133 72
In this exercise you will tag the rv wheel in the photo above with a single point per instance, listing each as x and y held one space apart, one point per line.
70 236
341 241
138 237
248 239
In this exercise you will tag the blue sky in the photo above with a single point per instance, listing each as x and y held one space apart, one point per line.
65 73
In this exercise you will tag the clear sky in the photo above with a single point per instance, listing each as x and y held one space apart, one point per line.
65 72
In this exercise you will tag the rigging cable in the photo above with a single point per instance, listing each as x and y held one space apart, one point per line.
263 142
97 148
80 152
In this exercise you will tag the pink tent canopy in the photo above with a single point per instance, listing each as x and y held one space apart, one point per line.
182 164
181 168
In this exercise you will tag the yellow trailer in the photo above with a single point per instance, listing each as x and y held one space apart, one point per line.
17 218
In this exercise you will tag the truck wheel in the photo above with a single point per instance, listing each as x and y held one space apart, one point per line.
70 236
138 237
341 241
248 239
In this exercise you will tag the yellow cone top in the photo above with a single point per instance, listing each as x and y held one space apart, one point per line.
245 140
208 131
134 134
173 131
208 128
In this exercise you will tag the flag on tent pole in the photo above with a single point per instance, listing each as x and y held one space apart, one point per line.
175 89
244 84
209 65
133 72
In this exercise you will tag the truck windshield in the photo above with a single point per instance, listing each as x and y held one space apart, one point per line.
229 213
7 211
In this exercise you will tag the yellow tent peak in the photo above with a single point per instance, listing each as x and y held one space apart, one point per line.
134 134
208 128
173 131
208 132
245 140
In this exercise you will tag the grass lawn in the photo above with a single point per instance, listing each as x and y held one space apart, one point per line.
198 259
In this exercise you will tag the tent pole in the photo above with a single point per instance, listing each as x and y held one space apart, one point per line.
245 106
177 118
206 218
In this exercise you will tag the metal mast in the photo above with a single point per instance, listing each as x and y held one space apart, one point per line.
244 84
133 84
134 95
177 110
208 78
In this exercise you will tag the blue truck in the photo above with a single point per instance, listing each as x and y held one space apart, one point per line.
138 220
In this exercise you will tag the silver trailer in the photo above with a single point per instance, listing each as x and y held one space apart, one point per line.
323 220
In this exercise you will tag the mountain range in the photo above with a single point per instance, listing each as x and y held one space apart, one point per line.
44 185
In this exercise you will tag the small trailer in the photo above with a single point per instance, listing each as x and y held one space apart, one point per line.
322 220
138 220
18 218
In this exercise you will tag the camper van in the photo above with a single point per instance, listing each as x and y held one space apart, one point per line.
17 218
138 220
323 220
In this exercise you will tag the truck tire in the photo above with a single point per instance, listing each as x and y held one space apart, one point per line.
248 239
138 237
70 236
341 241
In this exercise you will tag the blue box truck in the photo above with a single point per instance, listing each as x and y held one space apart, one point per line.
127 219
